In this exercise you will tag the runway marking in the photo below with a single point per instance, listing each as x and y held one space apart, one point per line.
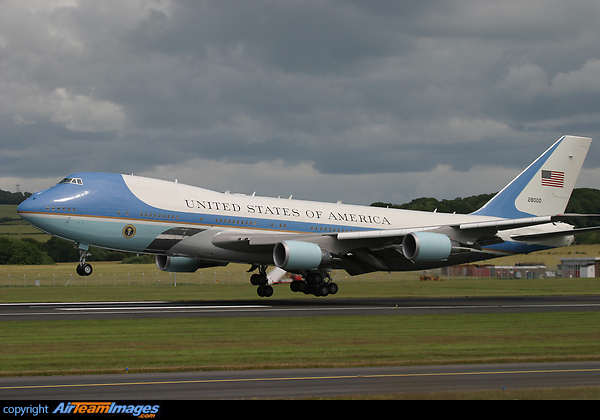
325 308
574 305
370 376
153 308
78 303
91 308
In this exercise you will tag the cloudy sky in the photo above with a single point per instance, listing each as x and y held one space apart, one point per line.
355 100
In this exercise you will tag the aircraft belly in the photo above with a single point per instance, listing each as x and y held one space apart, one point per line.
166 240
106 233
201 246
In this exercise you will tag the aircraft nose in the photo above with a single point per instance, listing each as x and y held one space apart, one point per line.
24 206
32 204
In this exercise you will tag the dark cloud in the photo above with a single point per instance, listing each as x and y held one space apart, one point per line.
346 87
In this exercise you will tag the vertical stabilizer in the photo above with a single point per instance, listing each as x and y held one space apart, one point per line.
545 187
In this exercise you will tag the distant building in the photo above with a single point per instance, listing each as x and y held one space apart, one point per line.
523 271
580 267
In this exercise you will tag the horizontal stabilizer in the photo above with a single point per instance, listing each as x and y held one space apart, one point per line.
507 224
549 235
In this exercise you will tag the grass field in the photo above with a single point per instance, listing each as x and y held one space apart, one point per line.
144 345
121 282
184 344
17 227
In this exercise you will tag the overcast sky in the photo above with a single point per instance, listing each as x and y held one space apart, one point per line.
358 101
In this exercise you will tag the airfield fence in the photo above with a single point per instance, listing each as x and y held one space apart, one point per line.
107 279
16 276
125 275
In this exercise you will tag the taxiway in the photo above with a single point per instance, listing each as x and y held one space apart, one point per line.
301 383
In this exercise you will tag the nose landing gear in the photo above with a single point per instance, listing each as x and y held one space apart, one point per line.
84 269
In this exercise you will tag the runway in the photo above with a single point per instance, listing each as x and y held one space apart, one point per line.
300 383
295 307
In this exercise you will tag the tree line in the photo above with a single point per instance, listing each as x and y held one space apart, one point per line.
28 251
583 201
7 197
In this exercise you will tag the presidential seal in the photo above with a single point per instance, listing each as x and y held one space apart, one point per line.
129 231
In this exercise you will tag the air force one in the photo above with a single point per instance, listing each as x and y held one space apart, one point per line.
188 228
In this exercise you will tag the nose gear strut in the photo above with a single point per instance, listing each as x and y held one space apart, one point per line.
84 269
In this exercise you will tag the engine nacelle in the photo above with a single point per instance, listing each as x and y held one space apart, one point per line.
183 264
298 255
426 246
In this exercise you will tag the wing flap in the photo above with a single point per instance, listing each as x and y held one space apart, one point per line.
383 233
484 225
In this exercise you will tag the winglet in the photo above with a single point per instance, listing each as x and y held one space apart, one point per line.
545 187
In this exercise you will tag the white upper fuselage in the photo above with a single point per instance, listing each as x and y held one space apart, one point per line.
290 215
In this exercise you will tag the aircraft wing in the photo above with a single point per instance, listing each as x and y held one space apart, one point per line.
243 240
386 249
493 224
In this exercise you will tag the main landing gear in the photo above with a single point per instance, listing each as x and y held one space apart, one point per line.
84 269
260 279
316 283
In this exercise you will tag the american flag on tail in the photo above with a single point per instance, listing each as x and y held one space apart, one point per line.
553 179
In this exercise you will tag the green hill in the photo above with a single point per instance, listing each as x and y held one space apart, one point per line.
583 200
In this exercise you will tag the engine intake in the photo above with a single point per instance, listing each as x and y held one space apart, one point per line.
426 246
298 255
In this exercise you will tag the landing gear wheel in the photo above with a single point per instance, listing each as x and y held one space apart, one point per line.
317 283
298 286
264 291
321 290
333 288
258 279
84 269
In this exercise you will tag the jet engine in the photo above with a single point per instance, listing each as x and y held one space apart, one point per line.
183 264
298 255
426 246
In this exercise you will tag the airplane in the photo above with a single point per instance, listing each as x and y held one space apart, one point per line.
189 228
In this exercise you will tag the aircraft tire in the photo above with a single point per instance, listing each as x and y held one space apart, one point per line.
315 278
264 291
301 286
85 269
322 290
333 288
258 279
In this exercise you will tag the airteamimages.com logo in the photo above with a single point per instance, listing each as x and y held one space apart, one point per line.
142 411
94 409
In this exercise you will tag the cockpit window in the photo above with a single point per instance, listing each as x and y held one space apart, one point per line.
77 181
